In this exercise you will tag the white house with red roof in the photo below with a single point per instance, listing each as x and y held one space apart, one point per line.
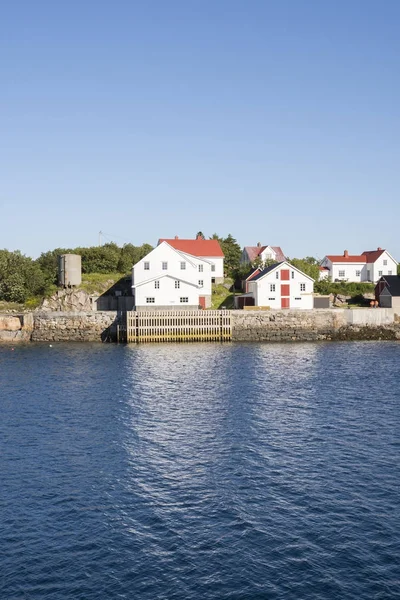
209 250
168 278
251 253
279 286
367 266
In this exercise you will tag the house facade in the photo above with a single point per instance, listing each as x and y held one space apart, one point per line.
169 279
280 286
368 266
209 250
251 253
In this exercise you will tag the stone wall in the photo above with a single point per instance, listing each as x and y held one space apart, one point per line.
314 325
247 326
12 328
75 326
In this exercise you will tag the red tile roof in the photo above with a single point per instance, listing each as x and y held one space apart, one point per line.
197 247
254 251
369 256
373 255
347 259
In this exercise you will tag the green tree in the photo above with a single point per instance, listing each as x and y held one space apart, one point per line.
309 268
20 277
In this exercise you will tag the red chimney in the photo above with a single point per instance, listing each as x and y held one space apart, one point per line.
379 248
176 237
258 244
346 253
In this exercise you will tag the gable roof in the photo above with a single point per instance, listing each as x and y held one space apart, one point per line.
368 256
254 251
275 266
197 247
347 258
392 284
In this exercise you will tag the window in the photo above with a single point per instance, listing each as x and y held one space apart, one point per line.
201 282
342 273
212 267
380 273
385 262
271 298
389 272
277 275
157 284
271 287
183 266
200 268
302 287
184 300
177 285
150 300
164 266
292 274
146 266
297 298
358 273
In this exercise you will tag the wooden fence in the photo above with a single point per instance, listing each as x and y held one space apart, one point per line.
176 326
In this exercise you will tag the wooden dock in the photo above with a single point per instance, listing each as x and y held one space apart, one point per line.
176 326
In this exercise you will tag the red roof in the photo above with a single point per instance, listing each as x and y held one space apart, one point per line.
254 251
197 247
369 256
373 255
347 259
323 269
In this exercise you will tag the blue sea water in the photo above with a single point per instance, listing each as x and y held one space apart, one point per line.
200 471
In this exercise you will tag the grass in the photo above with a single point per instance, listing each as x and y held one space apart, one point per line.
99 282
221 296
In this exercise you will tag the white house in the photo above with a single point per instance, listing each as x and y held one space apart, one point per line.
279 286
209 250
167 278
368 266
251 253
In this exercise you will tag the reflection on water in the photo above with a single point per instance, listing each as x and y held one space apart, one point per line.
200 471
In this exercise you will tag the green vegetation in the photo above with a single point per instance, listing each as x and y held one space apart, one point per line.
99 282
342 287
222 295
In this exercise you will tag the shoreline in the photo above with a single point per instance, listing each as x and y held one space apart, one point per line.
246 326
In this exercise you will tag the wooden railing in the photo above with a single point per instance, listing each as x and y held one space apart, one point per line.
176 326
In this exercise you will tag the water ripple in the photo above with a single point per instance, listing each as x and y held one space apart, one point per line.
200 472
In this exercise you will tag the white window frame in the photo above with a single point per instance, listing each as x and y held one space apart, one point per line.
150 300
342 273
380 273
201 282
302 287
272 287
146 266
385 262
177 284
213 267
184 300
183 266
157 284
201 268
164 266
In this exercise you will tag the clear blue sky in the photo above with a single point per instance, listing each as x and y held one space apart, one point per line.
275 121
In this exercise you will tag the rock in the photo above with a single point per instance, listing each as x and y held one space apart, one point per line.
10 324
69 301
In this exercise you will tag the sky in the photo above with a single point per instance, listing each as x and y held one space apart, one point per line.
275 121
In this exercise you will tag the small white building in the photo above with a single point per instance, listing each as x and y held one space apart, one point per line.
167 278
209 250
251 253
279 286
368 266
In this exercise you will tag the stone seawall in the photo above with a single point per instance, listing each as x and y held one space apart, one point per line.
247 326
314 325
75 327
